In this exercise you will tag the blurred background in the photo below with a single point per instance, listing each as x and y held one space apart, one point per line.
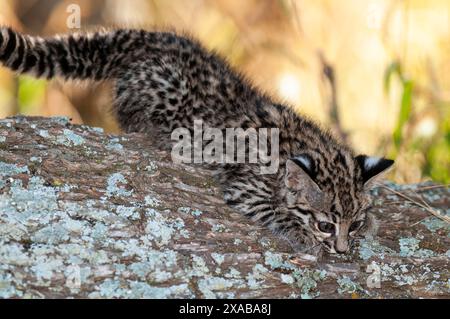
376 71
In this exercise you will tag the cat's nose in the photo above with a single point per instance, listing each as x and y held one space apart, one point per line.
342 246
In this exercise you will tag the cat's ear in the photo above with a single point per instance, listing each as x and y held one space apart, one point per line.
300 172
373 168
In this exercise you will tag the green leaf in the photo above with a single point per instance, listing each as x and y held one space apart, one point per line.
438 155
393 69
31 94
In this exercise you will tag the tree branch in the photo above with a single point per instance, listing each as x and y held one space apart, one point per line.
84 214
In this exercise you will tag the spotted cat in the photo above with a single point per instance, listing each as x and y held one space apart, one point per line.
163 81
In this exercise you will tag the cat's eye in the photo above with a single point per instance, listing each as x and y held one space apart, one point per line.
326 227
355 226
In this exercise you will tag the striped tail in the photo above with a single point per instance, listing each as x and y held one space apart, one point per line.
96 56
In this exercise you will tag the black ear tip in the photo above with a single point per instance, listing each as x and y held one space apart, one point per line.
361 159
373 166
306 163
388 162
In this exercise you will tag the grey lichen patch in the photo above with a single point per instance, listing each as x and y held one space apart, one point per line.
144 290
44 133
6 124
98 130
12 254
184 210
114 145
88 210
397 187
112 289
152 201
409 247
406 280
162 229
410 275
188 210
115 186
46 268
9 283
151 261
219 228
151 167
130 212
34 206
159 231
143 270
256 278
369 248
266 242
307 280
160 276
149 269
70 138
396 273
218 258
277 261
60 120
52 235
36 159
432 197
137 290
196 213
348 286
199 267
12 169
233 273
434 224
287 279
211 287
435 285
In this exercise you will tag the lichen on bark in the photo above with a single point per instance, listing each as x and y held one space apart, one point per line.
88 215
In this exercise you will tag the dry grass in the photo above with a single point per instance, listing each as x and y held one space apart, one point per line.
419 202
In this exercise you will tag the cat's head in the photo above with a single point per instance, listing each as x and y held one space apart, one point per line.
331 198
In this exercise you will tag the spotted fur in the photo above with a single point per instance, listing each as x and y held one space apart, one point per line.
164 81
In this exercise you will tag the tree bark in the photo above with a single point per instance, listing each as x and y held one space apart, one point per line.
88 215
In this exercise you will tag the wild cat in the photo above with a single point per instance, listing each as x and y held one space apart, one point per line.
163 81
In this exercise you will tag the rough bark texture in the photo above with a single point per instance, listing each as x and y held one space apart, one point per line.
83 214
